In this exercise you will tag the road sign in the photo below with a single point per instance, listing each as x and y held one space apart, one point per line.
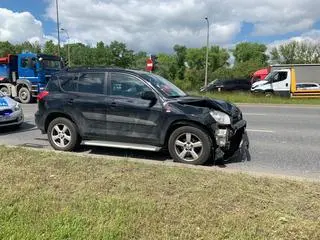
149 66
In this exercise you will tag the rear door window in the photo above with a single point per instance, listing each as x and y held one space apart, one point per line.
91 83
68 82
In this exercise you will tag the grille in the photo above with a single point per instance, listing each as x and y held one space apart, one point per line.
5 112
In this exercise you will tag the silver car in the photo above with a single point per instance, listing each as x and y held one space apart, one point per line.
11 113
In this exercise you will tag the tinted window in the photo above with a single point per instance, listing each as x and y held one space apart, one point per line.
24 62
53 84
126 85
91 83
68 82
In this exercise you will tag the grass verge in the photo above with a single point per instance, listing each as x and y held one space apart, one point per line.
46 195
239 97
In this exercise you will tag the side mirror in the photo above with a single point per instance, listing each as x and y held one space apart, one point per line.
149 95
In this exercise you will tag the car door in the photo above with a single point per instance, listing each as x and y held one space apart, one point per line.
130 118
281 82
87 103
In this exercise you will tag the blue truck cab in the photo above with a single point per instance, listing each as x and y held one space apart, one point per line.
25 75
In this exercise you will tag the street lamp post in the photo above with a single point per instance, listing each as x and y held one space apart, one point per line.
207 53
69 57
58 28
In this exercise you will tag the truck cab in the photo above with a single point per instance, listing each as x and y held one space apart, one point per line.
277 82
27 74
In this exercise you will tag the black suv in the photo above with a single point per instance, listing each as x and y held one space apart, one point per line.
136 110
228 85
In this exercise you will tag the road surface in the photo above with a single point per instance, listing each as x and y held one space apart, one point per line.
284 140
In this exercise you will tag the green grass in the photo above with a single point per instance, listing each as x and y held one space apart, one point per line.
250 98
46 195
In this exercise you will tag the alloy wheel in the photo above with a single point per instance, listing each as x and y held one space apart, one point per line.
188 147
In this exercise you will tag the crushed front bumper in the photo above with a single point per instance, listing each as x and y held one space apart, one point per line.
228 136
230 139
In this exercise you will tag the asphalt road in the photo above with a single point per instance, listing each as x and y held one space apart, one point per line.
284 140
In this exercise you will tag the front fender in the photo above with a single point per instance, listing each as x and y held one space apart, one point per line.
24 81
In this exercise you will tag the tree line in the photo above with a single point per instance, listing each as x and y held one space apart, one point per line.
184 66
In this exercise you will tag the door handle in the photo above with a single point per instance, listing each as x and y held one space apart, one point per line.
113 104
70 101
287 84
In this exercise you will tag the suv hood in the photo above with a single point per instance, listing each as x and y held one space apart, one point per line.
209 103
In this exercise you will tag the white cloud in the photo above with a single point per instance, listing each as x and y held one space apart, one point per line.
143 25
159 24
19 27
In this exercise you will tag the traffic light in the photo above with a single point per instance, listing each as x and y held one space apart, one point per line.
154 59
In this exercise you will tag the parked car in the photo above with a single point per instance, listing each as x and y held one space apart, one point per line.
11 113
308 86
136 110
228 85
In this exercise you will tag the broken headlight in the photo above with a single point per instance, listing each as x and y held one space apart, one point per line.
220 117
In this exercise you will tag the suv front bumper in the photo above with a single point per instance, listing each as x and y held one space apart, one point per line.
227 136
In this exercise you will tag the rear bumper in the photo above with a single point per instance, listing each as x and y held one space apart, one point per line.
39 120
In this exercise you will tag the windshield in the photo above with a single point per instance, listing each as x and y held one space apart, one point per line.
163 85
51 64
270 76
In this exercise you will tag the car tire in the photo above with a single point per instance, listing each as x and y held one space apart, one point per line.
190 145
24 95
269 93
62 135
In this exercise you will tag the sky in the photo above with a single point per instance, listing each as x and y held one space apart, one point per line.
157 25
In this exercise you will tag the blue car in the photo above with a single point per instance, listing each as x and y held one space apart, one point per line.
11 113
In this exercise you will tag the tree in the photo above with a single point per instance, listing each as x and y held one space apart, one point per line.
28 47
167 66
250 52
6 48
139 60
181 52
101 54
296 52
50 48
120 55
275 56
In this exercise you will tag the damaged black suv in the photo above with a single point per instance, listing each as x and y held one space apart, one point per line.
136 110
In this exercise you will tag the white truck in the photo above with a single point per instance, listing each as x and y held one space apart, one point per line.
290 80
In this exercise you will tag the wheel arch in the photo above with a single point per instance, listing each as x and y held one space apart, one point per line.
182 123
53 115
23 83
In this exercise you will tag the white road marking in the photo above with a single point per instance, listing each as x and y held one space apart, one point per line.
260 130
255 114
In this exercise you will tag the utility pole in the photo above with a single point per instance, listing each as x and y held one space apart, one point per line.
58 27
69 56
207 53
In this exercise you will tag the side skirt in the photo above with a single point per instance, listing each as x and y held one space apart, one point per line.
122 145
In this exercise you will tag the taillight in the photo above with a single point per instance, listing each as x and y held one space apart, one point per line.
42 95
